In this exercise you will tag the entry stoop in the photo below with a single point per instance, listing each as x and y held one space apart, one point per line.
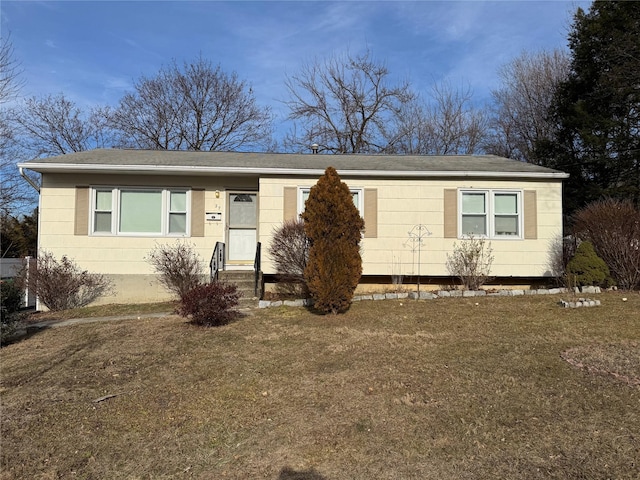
245 280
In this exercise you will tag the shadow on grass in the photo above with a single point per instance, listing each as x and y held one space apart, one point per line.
289 474
23 333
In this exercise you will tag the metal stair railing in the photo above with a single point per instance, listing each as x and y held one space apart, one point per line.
256 268
217 261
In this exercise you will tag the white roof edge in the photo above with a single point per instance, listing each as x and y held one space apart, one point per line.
166 169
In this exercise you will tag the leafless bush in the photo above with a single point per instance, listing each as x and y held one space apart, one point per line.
290 252
62 285
561 251
471 262
613 227
178 266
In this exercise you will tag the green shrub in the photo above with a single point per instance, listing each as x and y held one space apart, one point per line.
210 304
10 303
586 268
334 228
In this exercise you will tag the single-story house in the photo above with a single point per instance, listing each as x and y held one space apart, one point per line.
107 209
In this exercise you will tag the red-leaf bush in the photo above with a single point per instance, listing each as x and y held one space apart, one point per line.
210 304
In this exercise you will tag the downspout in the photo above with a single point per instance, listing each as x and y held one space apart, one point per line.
29 181
37 189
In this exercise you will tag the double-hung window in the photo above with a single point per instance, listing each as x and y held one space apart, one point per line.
140 211
491 213
357 194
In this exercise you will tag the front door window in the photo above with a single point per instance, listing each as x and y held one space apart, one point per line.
243 214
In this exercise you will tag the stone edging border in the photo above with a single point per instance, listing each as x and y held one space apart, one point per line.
447 294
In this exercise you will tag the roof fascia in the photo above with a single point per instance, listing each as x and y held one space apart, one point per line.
195 170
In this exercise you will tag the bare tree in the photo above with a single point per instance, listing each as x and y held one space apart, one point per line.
10 82
448 125
14 193
198 107
521 104
55 125
345 105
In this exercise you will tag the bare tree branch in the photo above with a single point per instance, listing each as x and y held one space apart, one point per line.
15 193
448 125
344 105
521 105
196 107
54 125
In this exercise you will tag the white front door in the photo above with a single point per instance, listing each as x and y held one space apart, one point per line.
241 236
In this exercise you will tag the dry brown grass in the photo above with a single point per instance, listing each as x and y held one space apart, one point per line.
390 390
104 311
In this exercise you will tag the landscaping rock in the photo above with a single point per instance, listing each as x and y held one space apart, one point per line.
590 289
294 303
579 303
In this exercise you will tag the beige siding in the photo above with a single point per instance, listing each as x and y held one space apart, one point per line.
61 224
394 207
402 204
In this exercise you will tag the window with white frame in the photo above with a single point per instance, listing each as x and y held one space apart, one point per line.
356 194
491 213
140 211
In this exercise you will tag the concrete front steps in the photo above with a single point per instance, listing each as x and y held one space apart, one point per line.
245 280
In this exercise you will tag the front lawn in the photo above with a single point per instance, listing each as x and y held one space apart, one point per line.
465 388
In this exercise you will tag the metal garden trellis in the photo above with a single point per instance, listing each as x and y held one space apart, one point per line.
416 236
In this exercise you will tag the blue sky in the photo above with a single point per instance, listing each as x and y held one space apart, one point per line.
94 51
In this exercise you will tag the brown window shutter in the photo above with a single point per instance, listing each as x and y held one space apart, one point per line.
290 203
450 213
81 222
197 212
370 213
530 214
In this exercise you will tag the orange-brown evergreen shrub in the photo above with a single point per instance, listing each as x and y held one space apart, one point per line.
334 228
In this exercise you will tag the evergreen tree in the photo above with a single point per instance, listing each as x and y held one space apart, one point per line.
19 237
597 109
334 228
587 268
